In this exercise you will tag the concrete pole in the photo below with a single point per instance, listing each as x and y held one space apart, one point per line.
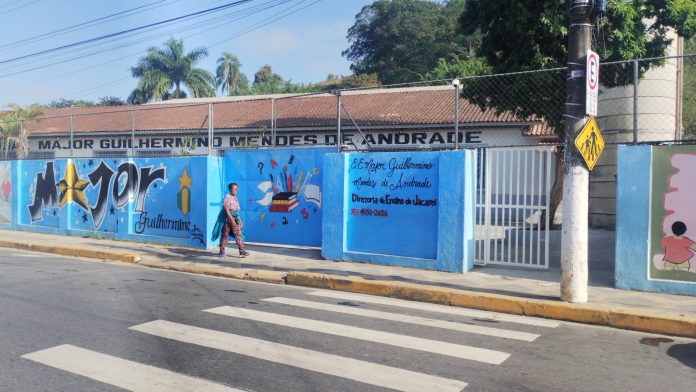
576 176
273 122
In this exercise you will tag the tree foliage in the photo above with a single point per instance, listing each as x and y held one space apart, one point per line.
268 82
689 91
229 77
401 40
522 35
164 71
13 122
70 103
110 101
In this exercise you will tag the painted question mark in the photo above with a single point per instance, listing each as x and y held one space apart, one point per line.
260 167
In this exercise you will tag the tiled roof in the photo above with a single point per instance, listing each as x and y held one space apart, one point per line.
429 106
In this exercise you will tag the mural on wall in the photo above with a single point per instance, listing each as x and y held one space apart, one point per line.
5 192
393 204
281 194
105 192
673 214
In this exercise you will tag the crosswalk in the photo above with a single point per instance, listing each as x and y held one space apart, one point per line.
136 376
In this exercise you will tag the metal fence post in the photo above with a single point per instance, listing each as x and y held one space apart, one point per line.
455 82
71 137
132 149
23 145
635 101
273 122
338 121
210 129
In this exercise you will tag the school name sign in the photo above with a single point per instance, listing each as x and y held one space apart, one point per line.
437 137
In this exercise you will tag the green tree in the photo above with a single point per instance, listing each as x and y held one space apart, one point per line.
689 90
525 35
70 103
110 101
163 72
13 127
229 77
268 82
400 40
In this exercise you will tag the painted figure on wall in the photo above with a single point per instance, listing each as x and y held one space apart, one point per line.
5 192
281 194
673 214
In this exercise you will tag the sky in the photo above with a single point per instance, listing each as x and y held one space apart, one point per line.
301 39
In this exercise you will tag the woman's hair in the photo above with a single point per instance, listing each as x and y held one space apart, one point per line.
231 184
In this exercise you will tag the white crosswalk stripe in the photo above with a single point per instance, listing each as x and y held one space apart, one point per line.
411 342
122 373
481 314
137 376
427 322
352 369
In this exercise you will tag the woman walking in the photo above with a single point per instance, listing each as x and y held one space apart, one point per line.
233 223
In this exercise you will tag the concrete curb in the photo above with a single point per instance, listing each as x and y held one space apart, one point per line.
652 322
277 277
658 323
91 253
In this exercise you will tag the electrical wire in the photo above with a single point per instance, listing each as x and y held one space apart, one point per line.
224 20
84 25
119 33
19 7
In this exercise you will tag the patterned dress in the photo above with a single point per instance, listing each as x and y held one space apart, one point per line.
235 227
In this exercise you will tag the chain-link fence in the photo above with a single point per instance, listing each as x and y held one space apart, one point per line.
645 100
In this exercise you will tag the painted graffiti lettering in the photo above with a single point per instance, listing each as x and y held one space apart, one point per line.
102 174
160 223
121 198
46 193
128 184
146 179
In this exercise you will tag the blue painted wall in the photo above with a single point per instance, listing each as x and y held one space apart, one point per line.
6 193
634 218
412 209
280 193
163 200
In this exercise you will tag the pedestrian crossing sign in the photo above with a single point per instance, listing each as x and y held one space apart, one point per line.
590 143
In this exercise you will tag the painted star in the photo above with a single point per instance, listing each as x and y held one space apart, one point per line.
112 210
84 217
184 180
72 188
90 162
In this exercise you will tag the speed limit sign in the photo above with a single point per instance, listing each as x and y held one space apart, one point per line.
592 83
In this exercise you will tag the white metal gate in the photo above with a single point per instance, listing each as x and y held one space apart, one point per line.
512 204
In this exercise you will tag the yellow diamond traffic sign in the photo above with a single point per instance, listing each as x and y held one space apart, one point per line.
590 143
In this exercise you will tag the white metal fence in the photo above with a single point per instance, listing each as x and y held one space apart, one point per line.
512 204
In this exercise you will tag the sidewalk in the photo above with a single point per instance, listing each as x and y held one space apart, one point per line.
487 288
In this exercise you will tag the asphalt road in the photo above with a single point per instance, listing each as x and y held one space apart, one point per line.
77 325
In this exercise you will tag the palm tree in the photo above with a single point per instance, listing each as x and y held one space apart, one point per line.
162 70
13 126
229 77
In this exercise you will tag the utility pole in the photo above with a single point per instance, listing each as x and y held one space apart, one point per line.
576 176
